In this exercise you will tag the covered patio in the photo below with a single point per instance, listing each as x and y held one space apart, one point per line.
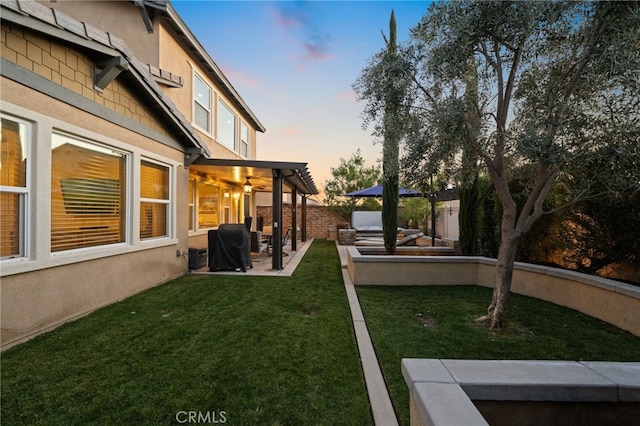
276 177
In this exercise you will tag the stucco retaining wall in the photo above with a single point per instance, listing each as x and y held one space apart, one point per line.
611 301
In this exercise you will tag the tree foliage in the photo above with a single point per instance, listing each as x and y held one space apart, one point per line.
558 87
351 175
391 144
415 213
598 235
383 87
560 81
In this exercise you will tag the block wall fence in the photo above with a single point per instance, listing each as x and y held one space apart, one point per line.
319 219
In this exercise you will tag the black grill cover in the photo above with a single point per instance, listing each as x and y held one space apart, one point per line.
230 248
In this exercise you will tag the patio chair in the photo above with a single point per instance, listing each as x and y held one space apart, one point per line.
284 242
409 239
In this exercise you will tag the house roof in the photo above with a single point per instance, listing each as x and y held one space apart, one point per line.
105 46
183 33
108 48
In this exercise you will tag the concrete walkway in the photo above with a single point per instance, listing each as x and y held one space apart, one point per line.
381 406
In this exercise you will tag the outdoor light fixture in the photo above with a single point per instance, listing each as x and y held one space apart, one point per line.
247 186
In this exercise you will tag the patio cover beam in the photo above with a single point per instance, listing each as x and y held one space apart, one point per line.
294 174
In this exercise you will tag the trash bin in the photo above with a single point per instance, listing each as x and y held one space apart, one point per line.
197 258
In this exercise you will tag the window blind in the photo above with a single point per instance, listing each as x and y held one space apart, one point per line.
88 184
13 178
154 200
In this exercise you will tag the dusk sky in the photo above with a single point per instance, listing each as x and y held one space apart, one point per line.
294 63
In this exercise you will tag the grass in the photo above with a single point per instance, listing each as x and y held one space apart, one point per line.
272 350
265 350
437 322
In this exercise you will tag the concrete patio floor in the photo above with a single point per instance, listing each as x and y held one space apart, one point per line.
262 263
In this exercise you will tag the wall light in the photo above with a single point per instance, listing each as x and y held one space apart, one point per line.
247 186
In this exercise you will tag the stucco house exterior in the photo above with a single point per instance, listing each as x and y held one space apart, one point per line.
123 144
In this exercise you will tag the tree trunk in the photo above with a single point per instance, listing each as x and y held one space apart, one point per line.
496 316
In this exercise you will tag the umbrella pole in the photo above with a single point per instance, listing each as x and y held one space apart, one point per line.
432 199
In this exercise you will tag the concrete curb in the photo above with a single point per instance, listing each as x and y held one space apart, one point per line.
381 406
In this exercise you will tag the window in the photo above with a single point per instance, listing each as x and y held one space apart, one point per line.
226 126
154 200
192 204
88 187
201 104
244 140
14 190
208 206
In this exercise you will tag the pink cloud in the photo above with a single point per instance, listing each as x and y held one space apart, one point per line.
316 52
291 131
290 15
297 19
347 96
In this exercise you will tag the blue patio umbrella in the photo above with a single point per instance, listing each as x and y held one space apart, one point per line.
376 191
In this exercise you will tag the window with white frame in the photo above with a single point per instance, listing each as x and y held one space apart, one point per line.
88 193
244 140
155 200
201 104
14 186
226 124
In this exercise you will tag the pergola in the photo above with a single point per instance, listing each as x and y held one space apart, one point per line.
276 177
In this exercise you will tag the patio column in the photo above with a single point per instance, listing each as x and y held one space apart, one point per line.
247 205
276 258
294 219
303 237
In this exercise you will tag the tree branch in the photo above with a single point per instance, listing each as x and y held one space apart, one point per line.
533 208
423 89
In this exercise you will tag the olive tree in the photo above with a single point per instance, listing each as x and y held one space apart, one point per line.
559 82
557 85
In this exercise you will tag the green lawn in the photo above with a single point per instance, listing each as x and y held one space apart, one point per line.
271 350
437 322
265 350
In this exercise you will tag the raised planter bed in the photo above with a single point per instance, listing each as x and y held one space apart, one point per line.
611 301
473 392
